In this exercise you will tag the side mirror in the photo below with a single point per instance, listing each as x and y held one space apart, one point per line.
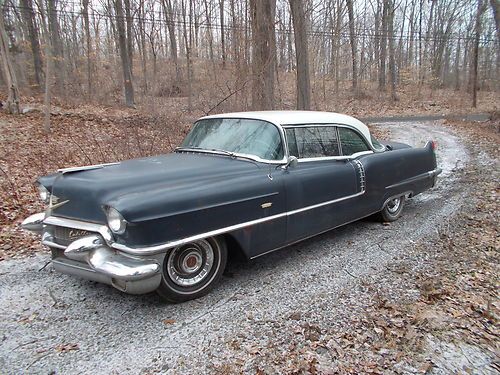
291 162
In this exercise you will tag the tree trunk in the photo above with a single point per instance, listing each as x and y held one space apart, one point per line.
48 71
392 58
383 49
222 32
457 66
56 42
352 38
85 5
32 31
169 19
495 6
262 14
209 33
301 54
130 36
9 72
125 56
477 30
187 41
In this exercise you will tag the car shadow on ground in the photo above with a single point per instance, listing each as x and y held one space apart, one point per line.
241 273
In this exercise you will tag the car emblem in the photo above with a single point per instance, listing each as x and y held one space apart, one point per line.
74 234
266 205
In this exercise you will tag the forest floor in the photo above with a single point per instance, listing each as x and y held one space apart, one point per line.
417 296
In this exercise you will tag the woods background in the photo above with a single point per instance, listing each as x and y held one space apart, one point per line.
216 55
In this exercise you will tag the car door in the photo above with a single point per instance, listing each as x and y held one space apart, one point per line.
321 187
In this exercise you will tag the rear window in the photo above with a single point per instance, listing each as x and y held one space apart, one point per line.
351 142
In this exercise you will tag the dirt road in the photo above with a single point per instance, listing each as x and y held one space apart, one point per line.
56 323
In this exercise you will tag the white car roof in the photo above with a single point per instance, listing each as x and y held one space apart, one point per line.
284 118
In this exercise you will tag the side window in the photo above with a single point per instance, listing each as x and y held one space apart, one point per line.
313 142
351 142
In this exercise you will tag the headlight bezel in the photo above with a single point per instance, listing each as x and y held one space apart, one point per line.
116 223
44 194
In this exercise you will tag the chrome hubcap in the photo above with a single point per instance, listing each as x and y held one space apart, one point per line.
190 264
393 205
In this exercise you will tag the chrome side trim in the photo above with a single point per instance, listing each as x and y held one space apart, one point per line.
421 176
157 249
361 174
103 230
311 236
151 250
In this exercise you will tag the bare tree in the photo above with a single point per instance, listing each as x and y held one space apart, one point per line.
124 54
480 10
57 45
169 18
392 59
383 48
85 12
352 38
262 14
12 103
222 32
495 7
32 31
301 54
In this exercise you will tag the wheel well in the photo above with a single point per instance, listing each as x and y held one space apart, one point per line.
235 251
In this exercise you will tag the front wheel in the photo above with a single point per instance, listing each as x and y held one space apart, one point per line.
392 209
191 270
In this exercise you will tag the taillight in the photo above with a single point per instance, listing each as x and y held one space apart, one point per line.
433 145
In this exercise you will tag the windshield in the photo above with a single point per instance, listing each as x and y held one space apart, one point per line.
243 136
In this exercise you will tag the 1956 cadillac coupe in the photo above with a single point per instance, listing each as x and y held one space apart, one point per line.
251 182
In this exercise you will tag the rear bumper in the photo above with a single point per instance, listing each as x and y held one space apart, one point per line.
90 257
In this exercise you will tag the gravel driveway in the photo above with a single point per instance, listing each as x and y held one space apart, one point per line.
52 323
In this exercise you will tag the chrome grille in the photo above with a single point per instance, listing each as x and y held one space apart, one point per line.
64 236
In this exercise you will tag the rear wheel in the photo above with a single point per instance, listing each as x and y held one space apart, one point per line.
191 270
392 209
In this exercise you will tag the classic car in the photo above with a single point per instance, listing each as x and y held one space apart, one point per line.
249 182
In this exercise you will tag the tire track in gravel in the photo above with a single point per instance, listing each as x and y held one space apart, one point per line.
40 310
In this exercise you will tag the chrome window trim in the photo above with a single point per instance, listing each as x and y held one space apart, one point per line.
368 142
350 157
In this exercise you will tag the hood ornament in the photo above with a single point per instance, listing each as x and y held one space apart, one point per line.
84 168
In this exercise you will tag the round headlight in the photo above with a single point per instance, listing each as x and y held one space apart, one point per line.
116 222
44 193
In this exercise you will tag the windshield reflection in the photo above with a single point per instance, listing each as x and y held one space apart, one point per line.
242 136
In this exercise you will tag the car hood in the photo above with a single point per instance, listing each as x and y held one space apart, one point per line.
141 188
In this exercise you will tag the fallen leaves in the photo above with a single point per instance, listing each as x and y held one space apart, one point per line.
79 136
64 348
451 296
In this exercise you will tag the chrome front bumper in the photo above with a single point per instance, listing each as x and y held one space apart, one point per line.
91 258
